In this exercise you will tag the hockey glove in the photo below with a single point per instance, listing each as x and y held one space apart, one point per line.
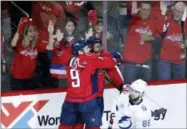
118 57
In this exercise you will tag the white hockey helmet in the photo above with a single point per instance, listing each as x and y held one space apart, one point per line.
139 85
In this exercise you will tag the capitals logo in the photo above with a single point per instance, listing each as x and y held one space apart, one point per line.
19 115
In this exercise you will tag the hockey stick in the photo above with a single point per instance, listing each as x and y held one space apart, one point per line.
154 101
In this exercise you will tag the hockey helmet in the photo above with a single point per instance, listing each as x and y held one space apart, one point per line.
77 46
139 85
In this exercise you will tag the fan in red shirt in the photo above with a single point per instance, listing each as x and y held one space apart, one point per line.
42 12
62 52
138 49
172 57
81 95
27 46
70 27
61 56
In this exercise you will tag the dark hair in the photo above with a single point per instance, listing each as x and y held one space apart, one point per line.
70 19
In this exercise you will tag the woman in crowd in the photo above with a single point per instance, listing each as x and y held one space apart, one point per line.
62 52
27 46
70 31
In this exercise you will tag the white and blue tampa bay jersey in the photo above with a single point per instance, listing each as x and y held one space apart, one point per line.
129 116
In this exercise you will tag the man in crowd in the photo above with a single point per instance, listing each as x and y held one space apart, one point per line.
142 31
172 56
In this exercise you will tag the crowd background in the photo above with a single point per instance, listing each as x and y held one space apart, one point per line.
113 21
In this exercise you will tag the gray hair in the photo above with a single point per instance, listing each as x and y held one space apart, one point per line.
180 5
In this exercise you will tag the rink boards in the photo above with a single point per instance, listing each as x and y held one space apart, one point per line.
41 108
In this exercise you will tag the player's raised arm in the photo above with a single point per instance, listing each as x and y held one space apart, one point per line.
103 63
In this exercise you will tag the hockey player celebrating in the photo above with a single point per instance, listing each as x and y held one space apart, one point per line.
80 101
129 108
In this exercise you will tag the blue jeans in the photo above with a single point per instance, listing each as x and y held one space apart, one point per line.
133 72
169 70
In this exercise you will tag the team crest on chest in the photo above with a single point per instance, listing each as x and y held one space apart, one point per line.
31 53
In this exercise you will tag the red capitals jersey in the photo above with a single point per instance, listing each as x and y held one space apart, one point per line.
81 86
25 60
114 75
101 73
61 56
171 50
133 50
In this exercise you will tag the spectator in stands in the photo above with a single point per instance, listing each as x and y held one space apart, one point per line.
161 12
98 33
142 31
70 32
27 45
62 53
42 12
172 57
77 10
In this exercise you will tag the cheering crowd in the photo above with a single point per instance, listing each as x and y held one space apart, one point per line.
147 40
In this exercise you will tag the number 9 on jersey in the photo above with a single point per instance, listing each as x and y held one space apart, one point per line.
75 78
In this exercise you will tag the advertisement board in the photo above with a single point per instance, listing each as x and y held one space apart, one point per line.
43 110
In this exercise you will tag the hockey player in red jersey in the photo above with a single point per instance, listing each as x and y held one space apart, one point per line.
113 74
81 95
